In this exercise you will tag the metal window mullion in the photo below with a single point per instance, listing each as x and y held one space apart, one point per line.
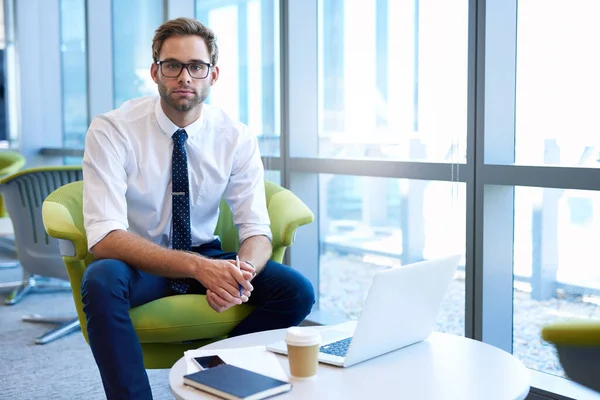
284 112
475 67
273 163
389 169
299 71
99 57
495 143
543 176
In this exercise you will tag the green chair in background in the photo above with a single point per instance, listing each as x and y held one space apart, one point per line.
578 347
169 326
10 162
38 254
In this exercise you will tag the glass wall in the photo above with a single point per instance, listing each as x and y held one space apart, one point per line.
558 83
390 87
555 269
370 224
134 23
553 229
392 73
248 88
74 72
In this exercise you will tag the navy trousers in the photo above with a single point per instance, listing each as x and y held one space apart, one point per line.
281 295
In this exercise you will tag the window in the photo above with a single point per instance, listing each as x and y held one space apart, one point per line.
555 270
392 73
558 83
134 23
248 86
538 220
74 72
369 224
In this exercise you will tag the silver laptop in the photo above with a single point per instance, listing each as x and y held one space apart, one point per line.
401 308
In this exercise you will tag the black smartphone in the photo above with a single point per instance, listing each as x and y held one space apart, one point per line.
208 361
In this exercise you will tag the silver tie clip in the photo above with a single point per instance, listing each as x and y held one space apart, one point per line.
178 193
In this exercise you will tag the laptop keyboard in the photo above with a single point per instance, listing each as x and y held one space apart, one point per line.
339 348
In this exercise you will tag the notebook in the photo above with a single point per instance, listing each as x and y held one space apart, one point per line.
254 358
401 308
234 383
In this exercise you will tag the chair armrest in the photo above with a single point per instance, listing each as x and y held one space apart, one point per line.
287 212
59 224
573 333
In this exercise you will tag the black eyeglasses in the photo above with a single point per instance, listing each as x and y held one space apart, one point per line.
172 69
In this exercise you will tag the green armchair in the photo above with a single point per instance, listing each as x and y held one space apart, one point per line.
169 326
38 254
10 162
578 347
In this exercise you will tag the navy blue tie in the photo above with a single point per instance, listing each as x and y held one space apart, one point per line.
182 237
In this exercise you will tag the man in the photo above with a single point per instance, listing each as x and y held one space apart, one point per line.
154 171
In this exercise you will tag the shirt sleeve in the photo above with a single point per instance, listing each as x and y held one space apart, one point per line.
245 192
105 181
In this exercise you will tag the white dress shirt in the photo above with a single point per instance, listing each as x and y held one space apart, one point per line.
127 174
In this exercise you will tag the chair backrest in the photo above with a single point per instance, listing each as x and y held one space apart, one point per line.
227 231
24 193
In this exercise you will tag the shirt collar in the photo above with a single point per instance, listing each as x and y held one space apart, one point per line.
169 128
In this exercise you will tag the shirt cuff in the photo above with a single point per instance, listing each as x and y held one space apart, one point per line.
97 231
255 230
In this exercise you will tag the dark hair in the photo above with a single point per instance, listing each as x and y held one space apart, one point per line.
185 27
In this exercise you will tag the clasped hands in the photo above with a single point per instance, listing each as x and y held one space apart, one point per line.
222 278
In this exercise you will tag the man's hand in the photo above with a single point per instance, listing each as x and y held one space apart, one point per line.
222 278
244 266
218 304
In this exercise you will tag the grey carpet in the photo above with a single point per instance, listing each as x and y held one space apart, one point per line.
63 369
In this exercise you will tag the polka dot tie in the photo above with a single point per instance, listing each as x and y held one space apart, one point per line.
182 238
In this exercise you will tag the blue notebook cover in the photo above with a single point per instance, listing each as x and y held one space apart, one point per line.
231 382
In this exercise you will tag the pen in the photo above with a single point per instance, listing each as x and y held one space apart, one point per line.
237 262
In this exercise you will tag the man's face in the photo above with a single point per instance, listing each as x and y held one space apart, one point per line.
184 93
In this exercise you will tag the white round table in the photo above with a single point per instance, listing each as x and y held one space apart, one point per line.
442 367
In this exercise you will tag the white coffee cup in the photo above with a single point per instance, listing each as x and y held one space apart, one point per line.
303 351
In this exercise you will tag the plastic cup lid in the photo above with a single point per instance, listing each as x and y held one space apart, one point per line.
302 336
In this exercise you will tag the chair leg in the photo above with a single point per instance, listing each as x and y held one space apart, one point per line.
34 284
51 285
17 295
66 326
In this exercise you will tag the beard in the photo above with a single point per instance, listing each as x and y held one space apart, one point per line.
182 104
